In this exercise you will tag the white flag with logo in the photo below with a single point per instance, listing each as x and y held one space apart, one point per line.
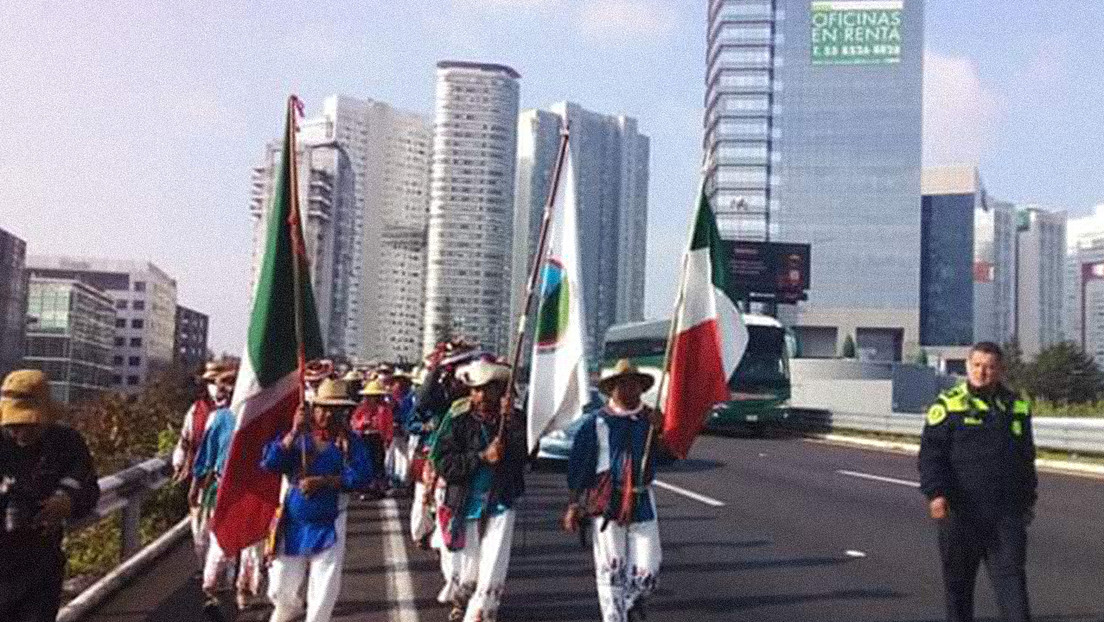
557 378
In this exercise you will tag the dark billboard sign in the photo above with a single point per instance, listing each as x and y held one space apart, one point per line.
776 271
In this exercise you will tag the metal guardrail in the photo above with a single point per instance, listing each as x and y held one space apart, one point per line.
1058 434
124 491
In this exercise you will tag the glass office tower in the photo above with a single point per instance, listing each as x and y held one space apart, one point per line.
813 129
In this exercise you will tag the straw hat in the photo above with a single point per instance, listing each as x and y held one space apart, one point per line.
25 398
375 387
211 371
353 375
333 393
624 369
481 373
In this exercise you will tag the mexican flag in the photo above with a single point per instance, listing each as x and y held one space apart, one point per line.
268 388
557 377
709 336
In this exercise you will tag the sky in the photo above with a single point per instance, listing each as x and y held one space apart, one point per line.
130 128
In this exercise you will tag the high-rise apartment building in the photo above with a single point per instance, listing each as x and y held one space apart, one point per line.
471 209
325 187
70 337
813 128
377 164
967 265
145 310
190 342
1040 273
1084 283
13 300
611 165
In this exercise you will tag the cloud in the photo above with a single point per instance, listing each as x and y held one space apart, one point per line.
626 19
960 113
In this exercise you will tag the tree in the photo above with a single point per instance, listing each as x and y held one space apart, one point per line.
849 347
1016 371
1064 373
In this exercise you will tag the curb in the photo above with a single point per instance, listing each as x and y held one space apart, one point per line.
99 591
1055 466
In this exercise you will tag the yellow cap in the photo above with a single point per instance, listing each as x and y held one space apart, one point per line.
374 387
25 398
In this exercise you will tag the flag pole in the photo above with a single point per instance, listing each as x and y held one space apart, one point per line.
299 250
680 301
538 264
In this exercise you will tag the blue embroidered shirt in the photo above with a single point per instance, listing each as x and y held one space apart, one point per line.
627 433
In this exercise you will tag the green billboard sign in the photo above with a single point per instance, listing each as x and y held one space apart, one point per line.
856 32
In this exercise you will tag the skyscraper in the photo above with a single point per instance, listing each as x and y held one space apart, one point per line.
1040 272
1084 283
967 265
813 128
190 343
472 204
369 168
611 163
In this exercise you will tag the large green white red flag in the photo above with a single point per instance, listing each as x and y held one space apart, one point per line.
709 336
557 377
269 381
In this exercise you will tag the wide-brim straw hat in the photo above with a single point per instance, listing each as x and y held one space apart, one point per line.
319 370
211 371
374 387
624 369
25 398
353 375
481 373
332 393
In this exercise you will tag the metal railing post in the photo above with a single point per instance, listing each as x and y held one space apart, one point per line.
131 531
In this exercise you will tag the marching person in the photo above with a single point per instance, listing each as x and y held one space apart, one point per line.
310 537
187 446
374 421
609 485
481 459
977 469
398 452
46 478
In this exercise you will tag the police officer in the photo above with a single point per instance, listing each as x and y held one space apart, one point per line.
977 469
46 478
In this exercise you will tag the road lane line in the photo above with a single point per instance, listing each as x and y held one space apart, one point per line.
400 585
880 478
690 494
855 554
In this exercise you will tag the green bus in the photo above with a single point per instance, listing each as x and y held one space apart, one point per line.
760 386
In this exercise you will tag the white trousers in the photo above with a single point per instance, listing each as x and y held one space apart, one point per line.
626 564
322 574
219 568
201 536
476 574
397 462
421 513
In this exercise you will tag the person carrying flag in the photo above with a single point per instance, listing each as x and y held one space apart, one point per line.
481 458
321 462
610 483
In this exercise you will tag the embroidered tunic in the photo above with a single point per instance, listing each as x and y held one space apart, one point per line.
626 435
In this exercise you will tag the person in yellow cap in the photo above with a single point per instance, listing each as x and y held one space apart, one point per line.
46 478
374 421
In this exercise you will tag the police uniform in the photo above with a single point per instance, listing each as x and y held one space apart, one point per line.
977 451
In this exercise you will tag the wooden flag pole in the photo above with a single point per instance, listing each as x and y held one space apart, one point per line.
298 251
538 265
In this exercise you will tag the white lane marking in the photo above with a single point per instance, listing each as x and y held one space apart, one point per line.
400 585
690 494
855 554
880 478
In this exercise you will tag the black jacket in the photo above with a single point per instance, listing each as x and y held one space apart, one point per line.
456 457
59 462
978 451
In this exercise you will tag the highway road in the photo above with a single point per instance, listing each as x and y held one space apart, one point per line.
777 529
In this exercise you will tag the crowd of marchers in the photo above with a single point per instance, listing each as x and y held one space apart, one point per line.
450 434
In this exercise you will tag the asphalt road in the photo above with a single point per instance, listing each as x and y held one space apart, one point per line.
795 539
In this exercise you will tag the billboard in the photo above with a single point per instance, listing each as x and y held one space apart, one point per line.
856 32
771 270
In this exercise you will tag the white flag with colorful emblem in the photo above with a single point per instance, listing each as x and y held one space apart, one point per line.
557 377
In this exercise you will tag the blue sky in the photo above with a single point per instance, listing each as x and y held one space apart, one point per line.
130 127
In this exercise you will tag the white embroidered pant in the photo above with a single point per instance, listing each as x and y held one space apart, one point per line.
219 568
477 573
626 564
322 574
397 462
201 536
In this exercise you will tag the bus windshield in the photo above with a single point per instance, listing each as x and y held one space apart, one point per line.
764 362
